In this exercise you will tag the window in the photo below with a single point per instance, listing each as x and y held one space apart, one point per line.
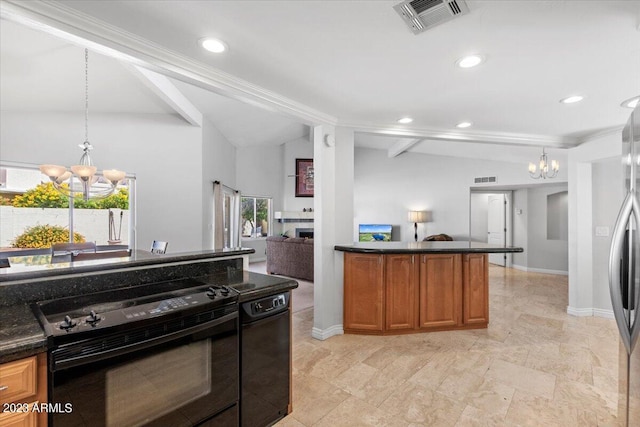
256 216
34 214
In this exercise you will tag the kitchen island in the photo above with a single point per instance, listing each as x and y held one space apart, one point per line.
398 287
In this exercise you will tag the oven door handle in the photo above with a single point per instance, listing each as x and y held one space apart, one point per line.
70 362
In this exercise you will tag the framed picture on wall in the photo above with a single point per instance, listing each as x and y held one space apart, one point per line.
304 177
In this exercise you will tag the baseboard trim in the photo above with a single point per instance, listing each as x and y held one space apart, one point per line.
600 312
540 270
590 312
252 260
323 334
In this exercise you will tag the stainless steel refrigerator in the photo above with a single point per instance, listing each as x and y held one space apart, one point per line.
624 275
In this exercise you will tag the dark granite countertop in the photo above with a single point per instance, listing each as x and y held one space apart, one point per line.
254 286
20 333
425 247
40 266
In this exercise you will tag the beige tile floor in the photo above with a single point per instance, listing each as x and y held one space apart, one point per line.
534 366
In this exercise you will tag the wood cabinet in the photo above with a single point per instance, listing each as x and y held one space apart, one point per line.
23 383
475 289
363 292
440 291
405 293
401 292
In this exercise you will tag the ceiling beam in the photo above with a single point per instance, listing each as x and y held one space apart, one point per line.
401 146
503 138
162 87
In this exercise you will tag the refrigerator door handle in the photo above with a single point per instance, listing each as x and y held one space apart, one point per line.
628 331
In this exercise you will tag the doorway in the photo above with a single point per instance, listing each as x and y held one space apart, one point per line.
490 221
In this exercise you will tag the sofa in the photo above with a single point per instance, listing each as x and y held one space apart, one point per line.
290 256
438 238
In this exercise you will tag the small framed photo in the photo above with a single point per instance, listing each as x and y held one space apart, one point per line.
304 177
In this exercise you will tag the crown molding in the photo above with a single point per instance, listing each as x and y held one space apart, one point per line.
601 134
87 31
505 138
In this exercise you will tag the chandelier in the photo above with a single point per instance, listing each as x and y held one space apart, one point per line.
543 171
83 178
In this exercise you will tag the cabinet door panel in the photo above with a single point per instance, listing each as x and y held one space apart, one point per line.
401 291
19 419
475 289
18 379
363 292
440 290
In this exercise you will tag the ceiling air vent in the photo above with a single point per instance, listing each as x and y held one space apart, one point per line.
485 179
420 15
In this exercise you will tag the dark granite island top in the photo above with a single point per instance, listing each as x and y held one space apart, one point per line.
40 266
20 332
463 247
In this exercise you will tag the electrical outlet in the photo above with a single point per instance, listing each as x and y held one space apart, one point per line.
602 231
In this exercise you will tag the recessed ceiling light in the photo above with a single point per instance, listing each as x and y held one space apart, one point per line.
213 45
463 125
631 102
470 61
405 120
572 99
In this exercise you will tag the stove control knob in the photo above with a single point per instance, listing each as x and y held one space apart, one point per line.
224 291
211 293
67 323
93 318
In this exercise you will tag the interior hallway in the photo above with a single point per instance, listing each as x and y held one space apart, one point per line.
534 366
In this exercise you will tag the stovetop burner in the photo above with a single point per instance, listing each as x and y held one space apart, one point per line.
108 309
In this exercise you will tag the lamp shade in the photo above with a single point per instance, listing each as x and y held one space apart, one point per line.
418 216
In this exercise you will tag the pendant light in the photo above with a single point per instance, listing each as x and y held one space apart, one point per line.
83 177
545 169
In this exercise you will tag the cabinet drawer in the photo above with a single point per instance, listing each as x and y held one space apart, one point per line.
18 380
18 419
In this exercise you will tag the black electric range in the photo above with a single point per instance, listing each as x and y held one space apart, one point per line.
153 355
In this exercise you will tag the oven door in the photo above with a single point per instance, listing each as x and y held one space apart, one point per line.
182 378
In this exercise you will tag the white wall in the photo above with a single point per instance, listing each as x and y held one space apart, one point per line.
607 198
260 172
386 189
521 226
544 255
218 164
162 150
588 262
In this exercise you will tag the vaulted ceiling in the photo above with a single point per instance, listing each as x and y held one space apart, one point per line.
357 61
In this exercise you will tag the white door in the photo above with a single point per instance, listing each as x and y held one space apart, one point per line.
496 226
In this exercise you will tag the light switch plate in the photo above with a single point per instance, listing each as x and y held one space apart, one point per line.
602 231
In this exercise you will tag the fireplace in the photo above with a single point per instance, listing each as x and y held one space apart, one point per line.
304 232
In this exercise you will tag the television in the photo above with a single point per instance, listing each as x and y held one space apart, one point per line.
374 232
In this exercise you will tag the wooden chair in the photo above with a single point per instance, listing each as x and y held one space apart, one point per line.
159 247
89 256
73 248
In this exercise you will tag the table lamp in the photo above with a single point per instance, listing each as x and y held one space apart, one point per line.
418 216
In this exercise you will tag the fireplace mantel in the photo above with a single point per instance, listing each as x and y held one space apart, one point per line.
293 216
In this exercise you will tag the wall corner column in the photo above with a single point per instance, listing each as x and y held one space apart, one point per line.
333 223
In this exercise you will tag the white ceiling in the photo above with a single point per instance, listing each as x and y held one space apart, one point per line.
357 61
43 73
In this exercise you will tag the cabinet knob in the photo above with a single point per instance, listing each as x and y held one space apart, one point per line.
4 387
